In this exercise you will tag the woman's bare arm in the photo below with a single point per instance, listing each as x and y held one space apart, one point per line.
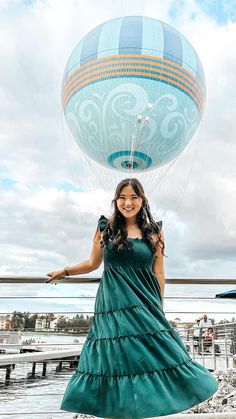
84 267
158 268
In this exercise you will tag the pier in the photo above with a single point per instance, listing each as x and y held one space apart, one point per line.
9 361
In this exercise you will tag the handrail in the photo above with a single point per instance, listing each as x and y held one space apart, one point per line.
92 312
83 279
22 297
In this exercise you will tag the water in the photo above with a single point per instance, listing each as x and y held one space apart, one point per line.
29 398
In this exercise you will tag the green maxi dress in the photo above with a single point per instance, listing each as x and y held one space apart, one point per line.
133 363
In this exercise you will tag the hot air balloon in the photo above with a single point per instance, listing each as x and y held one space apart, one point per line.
133 93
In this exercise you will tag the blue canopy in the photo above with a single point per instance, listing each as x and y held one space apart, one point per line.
227 294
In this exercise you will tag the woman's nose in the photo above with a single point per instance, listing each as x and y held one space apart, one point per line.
128 202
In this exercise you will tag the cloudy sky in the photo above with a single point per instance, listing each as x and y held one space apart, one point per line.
51 197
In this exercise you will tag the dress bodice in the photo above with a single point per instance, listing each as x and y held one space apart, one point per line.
140 255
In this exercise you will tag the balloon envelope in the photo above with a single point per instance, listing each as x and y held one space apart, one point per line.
133 93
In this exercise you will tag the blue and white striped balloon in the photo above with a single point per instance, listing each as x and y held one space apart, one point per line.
133 93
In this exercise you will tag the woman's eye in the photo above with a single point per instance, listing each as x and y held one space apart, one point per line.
133 197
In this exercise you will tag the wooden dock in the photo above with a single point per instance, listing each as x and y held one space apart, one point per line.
38 356
65 355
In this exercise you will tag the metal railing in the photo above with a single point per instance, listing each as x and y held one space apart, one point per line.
29 279
220 347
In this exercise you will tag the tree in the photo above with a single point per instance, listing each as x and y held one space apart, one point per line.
17 320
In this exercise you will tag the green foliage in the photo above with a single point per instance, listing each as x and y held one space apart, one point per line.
26 321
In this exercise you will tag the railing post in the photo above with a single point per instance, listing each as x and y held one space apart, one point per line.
33 369
9 368
193 349
213 352
44 369
59 367
203 357
226 349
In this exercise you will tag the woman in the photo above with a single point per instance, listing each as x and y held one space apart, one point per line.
133 363
207 337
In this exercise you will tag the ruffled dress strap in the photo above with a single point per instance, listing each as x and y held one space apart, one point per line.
102 223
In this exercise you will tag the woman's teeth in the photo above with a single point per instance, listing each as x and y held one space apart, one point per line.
128 209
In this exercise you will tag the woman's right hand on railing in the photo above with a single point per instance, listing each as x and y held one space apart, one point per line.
55 276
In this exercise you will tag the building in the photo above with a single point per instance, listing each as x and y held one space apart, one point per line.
46 323
40 324
5 322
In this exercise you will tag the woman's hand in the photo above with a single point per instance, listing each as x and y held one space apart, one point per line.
54 276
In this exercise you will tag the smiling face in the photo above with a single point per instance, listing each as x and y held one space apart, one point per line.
128 202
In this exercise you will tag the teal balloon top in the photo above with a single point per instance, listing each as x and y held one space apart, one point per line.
133 363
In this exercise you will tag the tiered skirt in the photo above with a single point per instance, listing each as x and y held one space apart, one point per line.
133 363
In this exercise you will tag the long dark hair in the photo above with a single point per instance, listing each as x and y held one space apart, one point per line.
115 230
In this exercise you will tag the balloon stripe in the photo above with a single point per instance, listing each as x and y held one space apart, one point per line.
190 83
81 74
143 57
90 44
172 44
134 58
152 76
131 29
